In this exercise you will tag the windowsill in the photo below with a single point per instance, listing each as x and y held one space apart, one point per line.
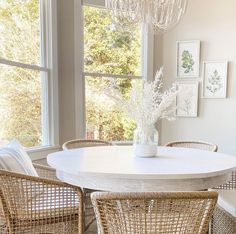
41 148
37 153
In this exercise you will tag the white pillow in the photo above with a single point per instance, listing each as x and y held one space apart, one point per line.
14 158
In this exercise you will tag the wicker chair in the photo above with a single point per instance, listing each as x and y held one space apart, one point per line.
223 222
162 213
194 145
31 205
81 143
205 146
224 217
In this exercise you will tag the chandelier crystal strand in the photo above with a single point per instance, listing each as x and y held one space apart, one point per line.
132 10
166 14
162 15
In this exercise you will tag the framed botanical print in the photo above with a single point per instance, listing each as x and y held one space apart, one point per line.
215 79
188 58
187 99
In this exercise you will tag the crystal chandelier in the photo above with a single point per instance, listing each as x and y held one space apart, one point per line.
161 14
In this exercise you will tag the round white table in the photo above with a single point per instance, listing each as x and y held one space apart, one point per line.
114 168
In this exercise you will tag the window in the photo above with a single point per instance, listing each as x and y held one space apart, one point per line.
26 72
111 50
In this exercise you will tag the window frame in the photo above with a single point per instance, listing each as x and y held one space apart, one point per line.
49 65
147 46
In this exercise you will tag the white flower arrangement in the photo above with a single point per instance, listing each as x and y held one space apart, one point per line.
148 105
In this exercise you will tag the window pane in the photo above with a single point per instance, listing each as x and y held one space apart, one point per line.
20 105
110 48
104 119
20 30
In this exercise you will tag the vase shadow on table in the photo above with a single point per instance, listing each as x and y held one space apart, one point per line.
157 156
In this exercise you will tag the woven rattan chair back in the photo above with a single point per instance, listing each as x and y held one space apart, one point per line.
194 144
37 205
205 146
81 143
162 213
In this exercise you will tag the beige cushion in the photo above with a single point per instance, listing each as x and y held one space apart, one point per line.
14 158
227 201
50 203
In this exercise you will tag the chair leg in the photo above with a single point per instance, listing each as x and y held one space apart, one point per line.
90 223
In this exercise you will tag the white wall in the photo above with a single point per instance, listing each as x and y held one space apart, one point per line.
214 23
66 69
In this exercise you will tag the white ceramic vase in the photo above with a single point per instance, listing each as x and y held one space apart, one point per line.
145 141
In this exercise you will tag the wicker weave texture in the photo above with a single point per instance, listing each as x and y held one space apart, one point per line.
35 205
231 185
223 222
81 143
162 213
45 171
194 144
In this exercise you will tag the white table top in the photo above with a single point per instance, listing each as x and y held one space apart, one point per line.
115 168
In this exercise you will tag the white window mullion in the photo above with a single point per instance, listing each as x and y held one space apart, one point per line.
80 118
96 3
45 110
44 77
51 113
43 33
147 52
111 75
23 65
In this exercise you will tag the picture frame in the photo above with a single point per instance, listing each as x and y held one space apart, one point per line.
188 58
187 99
215 76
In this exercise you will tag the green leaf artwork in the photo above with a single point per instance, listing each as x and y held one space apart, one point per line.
187 106
214 82
187 61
